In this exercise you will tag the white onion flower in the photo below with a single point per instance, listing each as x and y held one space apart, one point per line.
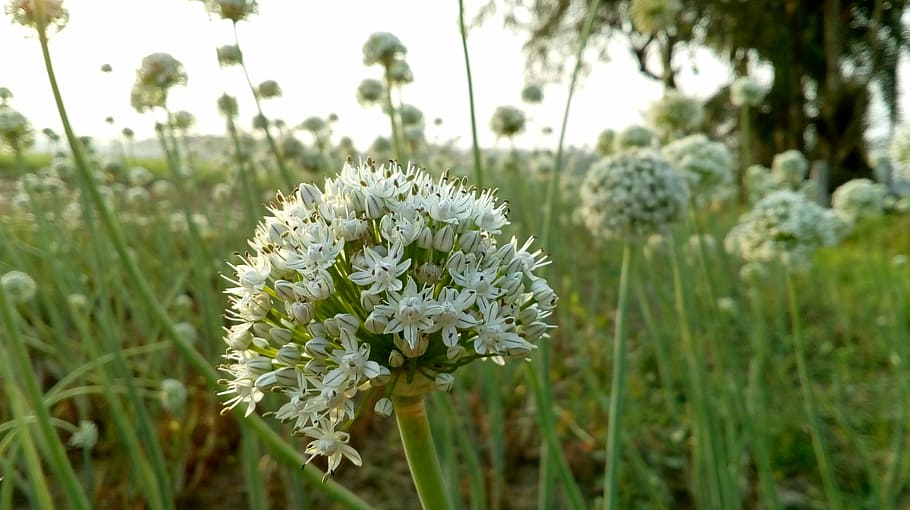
747 91
385 277
675 115
784 226
507 121
19 286
707 165
859 198
633 137
632 195
789 169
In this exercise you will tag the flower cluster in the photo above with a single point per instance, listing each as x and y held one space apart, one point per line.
15 130
370 91
707 165
859 198
633 137
532 94
507 121
789 169
758 182
383 48
25 13
632 195
387 277
675 115
747 91
229 55
155 76
19 286
233 10
783 226
652 16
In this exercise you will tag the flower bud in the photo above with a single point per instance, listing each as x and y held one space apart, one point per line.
445 381
455 352
396 359
375 323
317 347
302 312
383 407
309 194
285 290
425 238
239 336
469 241
172 395
444 239
289 354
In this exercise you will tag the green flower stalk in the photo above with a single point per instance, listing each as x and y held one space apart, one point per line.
386 278
630 196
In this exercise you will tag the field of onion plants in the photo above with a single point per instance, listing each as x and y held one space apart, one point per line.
280 320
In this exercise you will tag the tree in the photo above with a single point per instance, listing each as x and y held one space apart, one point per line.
827 55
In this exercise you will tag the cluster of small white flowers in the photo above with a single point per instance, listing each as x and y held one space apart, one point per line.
507 121
899 150
789 169
632 195
233 10
18 286
859 198
675 115
758 182
747 91
633 137
707 165
25 12
652 16
15 129
383 48
157 73
783 226
386 277
229 55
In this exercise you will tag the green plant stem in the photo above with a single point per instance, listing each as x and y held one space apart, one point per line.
285 174
16 360
553 186
614 429
832 493
414 427
745 151
475 146
150 302
390 106
551 441
40 491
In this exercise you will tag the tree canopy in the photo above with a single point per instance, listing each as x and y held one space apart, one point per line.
826 55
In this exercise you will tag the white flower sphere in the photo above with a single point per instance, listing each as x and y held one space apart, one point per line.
507 121
675 114
633 137
632 195
747 91
784 226
383 48
707 165
859 198
758 182
789 168
19 286
387 278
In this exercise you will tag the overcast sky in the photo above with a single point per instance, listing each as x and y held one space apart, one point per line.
314 51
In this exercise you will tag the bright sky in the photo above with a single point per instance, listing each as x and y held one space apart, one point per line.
314 51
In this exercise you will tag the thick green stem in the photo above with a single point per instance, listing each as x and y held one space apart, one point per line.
475 146
832 493
614 439
411 414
